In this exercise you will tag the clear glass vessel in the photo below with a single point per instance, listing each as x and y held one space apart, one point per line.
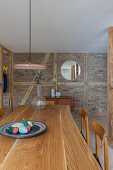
39 102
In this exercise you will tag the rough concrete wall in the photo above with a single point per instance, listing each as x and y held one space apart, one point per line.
97 73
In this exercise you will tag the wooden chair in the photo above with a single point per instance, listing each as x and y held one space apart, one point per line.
100 132
84 119
2 112
49 102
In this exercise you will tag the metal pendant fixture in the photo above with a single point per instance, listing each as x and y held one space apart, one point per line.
29 66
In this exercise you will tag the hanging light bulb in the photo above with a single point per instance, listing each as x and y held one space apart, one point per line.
29 66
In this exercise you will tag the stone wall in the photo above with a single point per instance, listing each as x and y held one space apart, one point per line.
96 76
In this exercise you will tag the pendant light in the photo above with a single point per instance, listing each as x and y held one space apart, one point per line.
29 66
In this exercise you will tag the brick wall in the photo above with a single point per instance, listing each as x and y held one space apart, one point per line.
96 76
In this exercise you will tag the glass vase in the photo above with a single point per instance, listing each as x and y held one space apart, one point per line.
39 102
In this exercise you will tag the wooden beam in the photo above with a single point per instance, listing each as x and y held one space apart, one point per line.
11 81
97 83
31 87
32 84
1 77
85 83
70 83
110 56
55 72
110 83
60 83
5 49
55 66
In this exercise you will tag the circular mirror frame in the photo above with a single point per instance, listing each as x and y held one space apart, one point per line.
70 70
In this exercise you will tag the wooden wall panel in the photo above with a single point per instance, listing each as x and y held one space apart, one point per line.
110 88
1 77
11 81
55 72
2 48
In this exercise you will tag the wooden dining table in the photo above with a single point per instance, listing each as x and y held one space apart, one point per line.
60 147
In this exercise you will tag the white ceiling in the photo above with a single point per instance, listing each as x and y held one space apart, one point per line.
57 25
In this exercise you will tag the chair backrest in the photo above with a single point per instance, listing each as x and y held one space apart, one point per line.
84 119
100 132
49 102
2 112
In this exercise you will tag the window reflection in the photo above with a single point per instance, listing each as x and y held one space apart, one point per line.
70 70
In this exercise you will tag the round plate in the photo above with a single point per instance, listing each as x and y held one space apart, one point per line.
37 129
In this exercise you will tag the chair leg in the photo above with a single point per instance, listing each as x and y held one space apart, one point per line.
97 146
106 158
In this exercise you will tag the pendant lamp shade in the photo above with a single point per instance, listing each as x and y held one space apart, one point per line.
29 66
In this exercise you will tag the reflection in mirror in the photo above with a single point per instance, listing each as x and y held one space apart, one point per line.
70 70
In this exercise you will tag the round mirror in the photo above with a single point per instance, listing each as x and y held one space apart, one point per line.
70 70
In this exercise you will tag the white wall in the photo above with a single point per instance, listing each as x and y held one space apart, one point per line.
57 25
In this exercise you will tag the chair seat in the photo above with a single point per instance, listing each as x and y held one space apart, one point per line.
83 136
97 160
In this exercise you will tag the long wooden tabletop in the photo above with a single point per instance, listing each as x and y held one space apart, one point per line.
61 147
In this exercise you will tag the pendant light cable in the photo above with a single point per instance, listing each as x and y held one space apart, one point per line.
30 31
30 66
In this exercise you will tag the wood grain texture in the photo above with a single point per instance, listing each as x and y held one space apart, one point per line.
85 83
55 66
110 85
49 102
60 83
11 81
97 146
32 84
84 120
5 49
60 148
70 83
100 133
2 112
6 143
106 157
2 48
63 100
1 77
87 131
44 152
78 154
55 72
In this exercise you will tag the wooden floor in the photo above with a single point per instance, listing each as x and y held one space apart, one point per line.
103 120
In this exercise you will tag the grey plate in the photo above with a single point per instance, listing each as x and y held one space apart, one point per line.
37 129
